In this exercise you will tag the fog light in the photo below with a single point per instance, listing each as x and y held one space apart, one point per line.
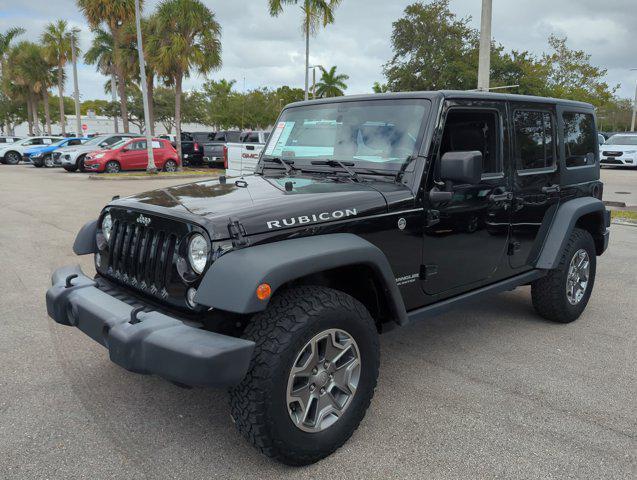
190 298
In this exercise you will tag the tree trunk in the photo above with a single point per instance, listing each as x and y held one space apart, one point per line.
178 114
151 107
30 114
61 99
47 112
114 99
36 116
121 81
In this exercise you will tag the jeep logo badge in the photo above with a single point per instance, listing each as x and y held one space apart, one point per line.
145 221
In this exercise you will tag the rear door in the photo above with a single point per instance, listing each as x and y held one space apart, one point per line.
135 157
536 179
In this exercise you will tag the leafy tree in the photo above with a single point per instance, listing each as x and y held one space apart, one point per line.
115 14
331 84
380 87
56 41
189 41
432 50
100 107
5 43
316 13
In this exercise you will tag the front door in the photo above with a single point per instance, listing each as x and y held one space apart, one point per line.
536 179
466 238
136 156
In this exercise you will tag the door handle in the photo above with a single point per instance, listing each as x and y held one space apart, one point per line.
501 197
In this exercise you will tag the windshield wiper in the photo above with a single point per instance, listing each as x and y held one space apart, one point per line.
403 168
286 163
337 163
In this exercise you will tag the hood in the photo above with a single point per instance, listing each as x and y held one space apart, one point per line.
78 148
618 148
263 204
101 150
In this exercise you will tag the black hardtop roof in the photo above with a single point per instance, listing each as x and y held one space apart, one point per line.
443 94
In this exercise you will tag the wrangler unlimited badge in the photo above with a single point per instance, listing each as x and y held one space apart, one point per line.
314 218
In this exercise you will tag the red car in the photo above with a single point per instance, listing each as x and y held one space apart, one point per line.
131 154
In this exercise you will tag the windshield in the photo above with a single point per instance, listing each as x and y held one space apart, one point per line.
622 140
379 134
96 140
116 145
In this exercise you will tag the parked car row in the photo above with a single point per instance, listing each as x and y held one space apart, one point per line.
103 153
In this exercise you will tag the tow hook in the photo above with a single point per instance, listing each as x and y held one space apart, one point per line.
68 280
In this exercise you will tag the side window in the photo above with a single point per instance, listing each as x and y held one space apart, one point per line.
474 129
579 139
75 142
534 140
157 144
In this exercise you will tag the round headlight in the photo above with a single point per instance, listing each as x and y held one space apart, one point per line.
107 226
198 252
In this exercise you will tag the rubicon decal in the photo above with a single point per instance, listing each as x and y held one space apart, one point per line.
313 218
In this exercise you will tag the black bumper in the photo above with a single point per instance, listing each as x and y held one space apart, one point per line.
151 342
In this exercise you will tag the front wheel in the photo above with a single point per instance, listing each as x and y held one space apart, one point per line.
12 158
312 375
562 295
79 165
112 167
70 168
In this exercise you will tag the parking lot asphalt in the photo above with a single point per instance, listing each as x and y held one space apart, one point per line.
491 390
620 185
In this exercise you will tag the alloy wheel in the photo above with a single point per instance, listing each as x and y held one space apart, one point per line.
323 380
577 277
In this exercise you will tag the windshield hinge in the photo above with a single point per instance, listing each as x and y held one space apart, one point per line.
238 233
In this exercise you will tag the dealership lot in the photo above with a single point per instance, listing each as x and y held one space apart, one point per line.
489 390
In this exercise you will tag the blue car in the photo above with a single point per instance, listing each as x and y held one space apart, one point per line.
42 155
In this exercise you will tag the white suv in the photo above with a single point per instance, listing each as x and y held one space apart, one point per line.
620 149
11 153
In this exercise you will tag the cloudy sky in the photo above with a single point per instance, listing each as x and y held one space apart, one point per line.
269 51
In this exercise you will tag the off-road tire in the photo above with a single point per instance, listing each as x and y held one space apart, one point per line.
549 293
115 167
258 403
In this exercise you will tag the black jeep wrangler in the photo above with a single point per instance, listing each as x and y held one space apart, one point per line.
363 213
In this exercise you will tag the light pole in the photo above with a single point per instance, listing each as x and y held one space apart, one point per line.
151 168
76 91
484 59
632 122
314 67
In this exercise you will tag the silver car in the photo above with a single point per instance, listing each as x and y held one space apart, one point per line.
72 158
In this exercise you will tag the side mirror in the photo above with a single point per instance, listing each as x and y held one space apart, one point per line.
461 167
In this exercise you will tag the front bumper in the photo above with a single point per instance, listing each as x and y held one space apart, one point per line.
627 160
147 342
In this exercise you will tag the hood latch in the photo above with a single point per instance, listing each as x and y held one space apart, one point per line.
237 233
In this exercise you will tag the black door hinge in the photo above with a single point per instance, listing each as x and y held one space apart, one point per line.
433 217
237 233
513 247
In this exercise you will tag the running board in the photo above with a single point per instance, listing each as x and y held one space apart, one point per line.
450 303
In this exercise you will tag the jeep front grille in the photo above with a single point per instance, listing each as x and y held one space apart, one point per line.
141 256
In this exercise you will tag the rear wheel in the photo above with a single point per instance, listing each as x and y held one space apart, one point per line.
312 375
37 162
48 161
170 166
562 295
112 167
79 165
12 158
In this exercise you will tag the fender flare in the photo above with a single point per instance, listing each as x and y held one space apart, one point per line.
563 224
231 281
85 241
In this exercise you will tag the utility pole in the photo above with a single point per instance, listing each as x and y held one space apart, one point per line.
151 168
632 123
484 60
76 92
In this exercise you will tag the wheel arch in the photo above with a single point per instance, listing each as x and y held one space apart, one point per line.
587 213
342 261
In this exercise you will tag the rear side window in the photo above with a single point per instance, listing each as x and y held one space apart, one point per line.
579 139
534 140
157 144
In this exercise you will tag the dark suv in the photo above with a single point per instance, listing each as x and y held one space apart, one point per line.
364 213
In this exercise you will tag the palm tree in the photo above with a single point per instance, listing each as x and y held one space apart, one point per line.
115 14
331 84
56 40
380 87
102 56
5 43
189 40
315 14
